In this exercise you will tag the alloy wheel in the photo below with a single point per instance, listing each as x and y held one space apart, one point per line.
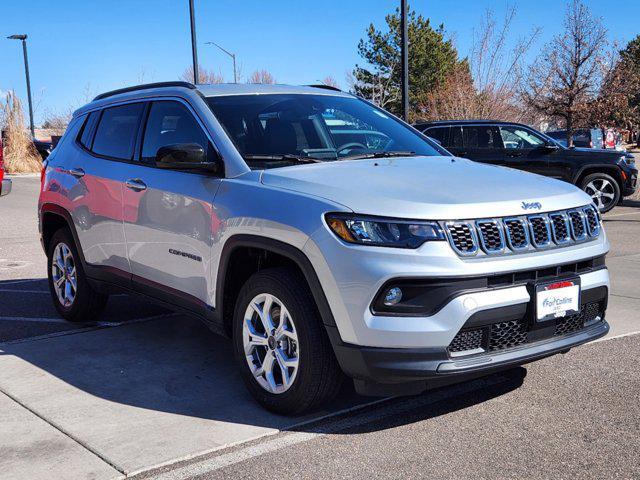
270 343
64 275
602 192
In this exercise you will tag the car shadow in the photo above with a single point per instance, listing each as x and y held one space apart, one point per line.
631 203
169 364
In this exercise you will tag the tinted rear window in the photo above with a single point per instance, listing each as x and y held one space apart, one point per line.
439 133
88 128
117 130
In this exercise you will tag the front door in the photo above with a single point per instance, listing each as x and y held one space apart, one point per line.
168 213
524 149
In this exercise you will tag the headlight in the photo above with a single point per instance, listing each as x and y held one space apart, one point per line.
628 159
383 232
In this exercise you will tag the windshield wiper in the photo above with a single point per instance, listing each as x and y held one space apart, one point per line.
391 153
284 157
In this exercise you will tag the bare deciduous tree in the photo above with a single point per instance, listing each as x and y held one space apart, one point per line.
261 76
486 85
567 75
204 76
330 82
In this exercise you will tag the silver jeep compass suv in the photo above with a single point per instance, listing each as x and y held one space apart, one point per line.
322 234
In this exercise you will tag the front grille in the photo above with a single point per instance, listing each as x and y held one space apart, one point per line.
573 323
516 233
578 225
497 236
490 235
507 334
466 340
539 230
462 238
559 228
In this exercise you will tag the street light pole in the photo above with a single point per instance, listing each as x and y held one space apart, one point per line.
404 52
233 57
26 71
194 50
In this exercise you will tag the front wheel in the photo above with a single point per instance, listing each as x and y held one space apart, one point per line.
283 352
603 189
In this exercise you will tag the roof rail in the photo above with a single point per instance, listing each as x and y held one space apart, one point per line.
145 87
326 87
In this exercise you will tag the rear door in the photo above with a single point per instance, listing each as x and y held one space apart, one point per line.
524 149
482 143
168 214
106 143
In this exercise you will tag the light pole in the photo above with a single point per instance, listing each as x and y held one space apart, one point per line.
194 50
404 52
26 71
233 57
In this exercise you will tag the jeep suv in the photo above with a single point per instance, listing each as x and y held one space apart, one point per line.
374 254
606 175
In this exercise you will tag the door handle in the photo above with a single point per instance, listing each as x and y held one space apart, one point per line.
77 172
135 184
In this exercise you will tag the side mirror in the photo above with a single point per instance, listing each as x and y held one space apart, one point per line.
184 156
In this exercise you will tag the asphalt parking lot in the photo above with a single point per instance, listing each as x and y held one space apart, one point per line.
151 394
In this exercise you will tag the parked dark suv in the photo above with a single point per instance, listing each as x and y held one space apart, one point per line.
605 175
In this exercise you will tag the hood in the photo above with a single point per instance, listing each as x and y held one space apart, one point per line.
437 188
596 152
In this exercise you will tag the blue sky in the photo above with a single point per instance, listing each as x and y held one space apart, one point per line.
79 48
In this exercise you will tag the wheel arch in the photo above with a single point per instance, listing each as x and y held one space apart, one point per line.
243 255
611 170
52 218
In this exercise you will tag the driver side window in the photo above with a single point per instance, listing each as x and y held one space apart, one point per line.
170 123
518 138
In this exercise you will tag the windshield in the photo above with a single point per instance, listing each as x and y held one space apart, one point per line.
276 129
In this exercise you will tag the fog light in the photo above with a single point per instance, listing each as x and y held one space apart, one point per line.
393 296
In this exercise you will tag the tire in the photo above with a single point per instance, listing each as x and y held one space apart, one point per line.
317 377
87 304
603 189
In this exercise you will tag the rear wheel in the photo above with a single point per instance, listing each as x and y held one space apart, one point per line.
283 352
73 297
603 189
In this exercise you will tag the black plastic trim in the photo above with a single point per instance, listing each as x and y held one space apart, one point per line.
145 86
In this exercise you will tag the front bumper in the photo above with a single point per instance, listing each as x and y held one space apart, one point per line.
5 187
381 371
630 184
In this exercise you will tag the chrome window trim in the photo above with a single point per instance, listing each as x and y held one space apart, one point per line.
483 245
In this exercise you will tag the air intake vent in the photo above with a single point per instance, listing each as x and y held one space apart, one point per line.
578 225
463 238
540 233
593 225
559 228
517 234
491 237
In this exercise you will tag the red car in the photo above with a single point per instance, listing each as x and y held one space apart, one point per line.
5 183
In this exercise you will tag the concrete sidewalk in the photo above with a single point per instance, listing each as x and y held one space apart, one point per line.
127 399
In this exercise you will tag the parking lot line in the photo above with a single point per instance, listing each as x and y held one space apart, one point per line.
33 319
15 282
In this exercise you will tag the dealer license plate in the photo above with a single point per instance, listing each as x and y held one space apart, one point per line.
557 299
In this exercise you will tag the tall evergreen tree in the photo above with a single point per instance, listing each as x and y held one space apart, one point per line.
431 58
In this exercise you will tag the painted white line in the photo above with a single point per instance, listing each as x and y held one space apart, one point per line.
97 326
32 319
15 282
9 290
620 215
404 406
622 335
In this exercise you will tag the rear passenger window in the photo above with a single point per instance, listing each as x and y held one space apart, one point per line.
170 123
481 137
117 130
88 128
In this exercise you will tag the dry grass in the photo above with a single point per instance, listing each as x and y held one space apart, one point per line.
20 155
